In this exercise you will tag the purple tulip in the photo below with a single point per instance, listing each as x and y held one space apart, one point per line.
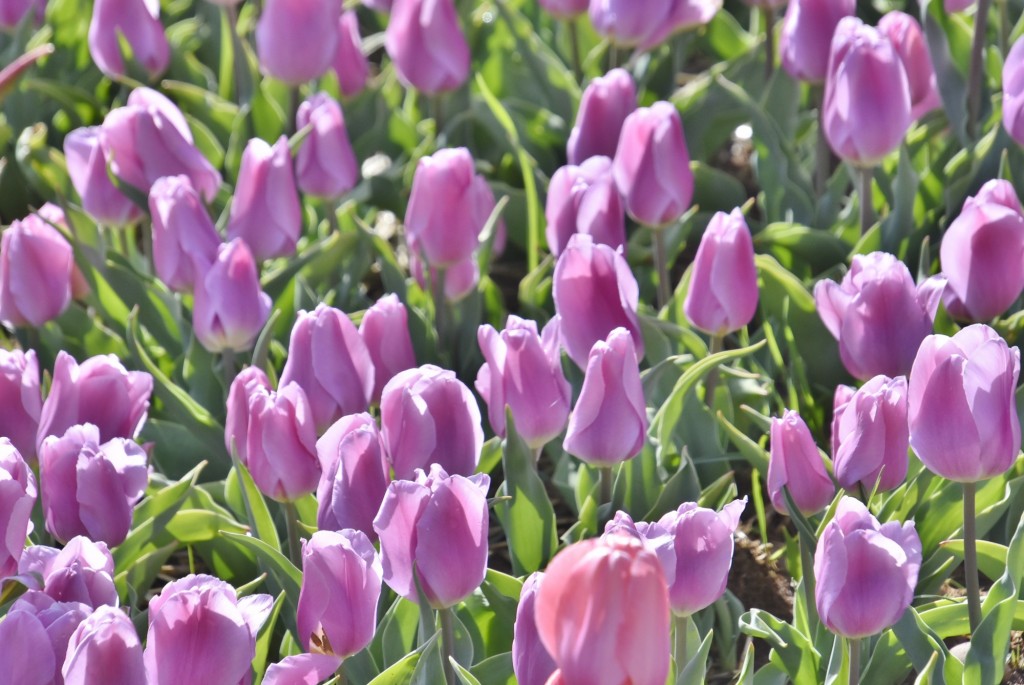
185 241
34 639
584 199
962 411
81 572
530 660
877 314
328 359
230 308
865 573
523 372
652 165
350 64
87 167
606 103
104 646
12 12
565 10
723 285
36 269
1013 92
265 211
100 391
907 38
378 5
682 15
806 38
302 669
137 22
17 497
325 165
280 447
236 427
629 22
385 331
200 632
355 475
149 138
594 293
20 400
341 581
428 48
872 438
297 39
428 416
982 254
436 527
841 397
956 5
795 464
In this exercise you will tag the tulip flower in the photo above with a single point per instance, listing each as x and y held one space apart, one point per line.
841 397
355 475
428 48
460 279
877 314
20 400
341 581
230 308
17 497
36 270
628 23
865 573
81 572
524 373
236 427
328 359
100 391
609 421
603 613
795 464
584 199
682 15
606 103
872 438
982 252
906 36
280 447
13 12
652 165
1013 92
265 211
350 64
87 167
594 293
200 632
185 241
105 645
723 285
531 662
90 488
565 9
137 22
34 639
435 526
806 38
302 668
149 138
297 39
325 165
385 331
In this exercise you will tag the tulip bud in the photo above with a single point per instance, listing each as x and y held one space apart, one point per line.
137 22
606 103
962 414
265 211
185 241
872 438
297 39
524 373
302 668
355 475
806 38
36 268
723 285
907 38
530 661
350 64
586 273
982 252
603 613
149 138
428 48
341 581
17 497
12 12
584 199
20 401
436 527
230 308
105 646
428 416
628 22
1013 92
877 314
866 111
652 165
385 330
87 167
81 572
682 15
865 573
236 427
100 391
34 639
325 165
200 632
281 443
330 362
795 464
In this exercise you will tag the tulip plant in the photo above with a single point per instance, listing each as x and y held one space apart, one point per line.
482 342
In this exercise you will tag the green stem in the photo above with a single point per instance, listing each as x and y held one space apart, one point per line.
769 41
680 624
291 521
147 247
613 56
823 153
437 113
440 308
854 645
971 557
448 644
661 265
604 483
574 43
975 75
807 578
711 380
867 212
227 368
239 61
1004 26
293 110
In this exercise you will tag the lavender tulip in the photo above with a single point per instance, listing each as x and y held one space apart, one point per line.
606 103
265 211
297 39
36 270
87 167
806 38
230 308
185 241
385 331
723 285
584 199
20 400
428 48
14 12
81 572
34 639
565 9
280 445
841 397
355 475
872 437
137 22
629 22
236 425
907 38
1013 92
460 279
682 15
105 645
530 660
325 165
350 64
795 464
302 669
17 497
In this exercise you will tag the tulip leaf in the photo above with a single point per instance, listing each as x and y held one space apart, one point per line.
396 632
746 674
143 570
838 664
695 671
263 639
465 677
430 667
239 486
792 651
283 571
922 643
496 670
991 556
401 673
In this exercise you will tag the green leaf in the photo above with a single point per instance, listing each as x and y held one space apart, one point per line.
991 556
792 651
277 565
922 644
497 670
401 673
254 504
695 670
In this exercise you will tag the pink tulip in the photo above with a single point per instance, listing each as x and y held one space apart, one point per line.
36 270
841 397
628 22
956 5
13 12
81 572
385 331
265 211
460 279
428 48
249 380
682 15
137 22
565 9
806 38
871 436
87 167
302 669
530 661
909 41
17 497
106 646
325 165
355 475
350 64
280 447
297 39
230 308
795 464
34 639
584 199
185 241
1013 92
378 5
723 284
606 103
20 400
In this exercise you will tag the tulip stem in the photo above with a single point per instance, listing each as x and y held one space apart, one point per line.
854 644
823 153
293 111
227 368
971 558
437 114
574 43
769 40
1004 26
440 308
715 345
807 580
681 626
448 644
291 522
661 265
975 75
867 211
604 483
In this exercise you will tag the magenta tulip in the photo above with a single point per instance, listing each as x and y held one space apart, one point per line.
795 464
34 639
530 660
297 39
236 427
36 270
606 103
20 400
1013 92
185 241
230 308
87 167
350 64
265 211
584 199
871 436
906 36
17 497
137 22
355 475
13 12
385 331
723 284
81 572
806 39
104 646
428 48
325 165
280 447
